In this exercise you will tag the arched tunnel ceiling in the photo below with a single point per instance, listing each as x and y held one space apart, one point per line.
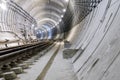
62 13
40 9
45 12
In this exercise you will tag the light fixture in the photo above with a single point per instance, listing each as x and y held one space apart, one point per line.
56 24
33 25
61 16
53 26
3 6
67 0
36 28
64 10
37 32
60 20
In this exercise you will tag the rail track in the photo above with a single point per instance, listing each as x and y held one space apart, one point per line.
12 57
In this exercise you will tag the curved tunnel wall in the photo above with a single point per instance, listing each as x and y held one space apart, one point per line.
98 39
16 25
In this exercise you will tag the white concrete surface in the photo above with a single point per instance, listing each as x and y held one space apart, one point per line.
61 69
34 70
100 40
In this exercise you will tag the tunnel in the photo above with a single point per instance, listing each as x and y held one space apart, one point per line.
59 40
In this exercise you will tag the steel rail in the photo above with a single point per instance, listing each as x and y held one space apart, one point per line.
13 54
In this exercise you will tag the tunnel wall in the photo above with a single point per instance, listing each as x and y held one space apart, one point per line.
98 39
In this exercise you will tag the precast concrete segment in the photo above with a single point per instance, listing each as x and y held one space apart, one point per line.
101 50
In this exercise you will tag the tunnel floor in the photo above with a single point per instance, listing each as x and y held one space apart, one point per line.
51 66
61 69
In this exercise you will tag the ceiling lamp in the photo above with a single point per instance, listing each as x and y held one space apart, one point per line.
67 0
3 6
33 25
61 16
64 10
56 24
60 20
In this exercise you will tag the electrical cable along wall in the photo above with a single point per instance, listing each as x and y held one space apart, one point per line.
15 23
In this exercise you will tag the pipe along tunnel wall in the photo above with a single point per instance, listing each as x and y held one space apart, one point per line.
97 39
